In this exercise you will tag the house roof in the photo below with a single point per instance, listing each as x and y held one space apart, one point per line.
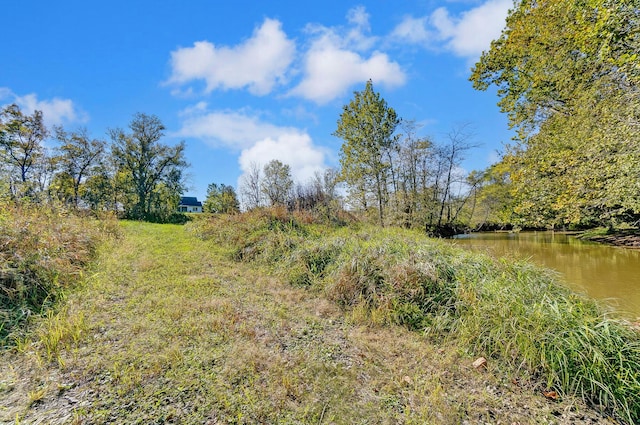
190 201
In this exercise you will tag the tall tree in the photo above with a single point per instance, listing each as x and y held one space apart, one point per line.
415 171
154 170
78 153
451 155
367 126
567 74
221 199
21 145
277 182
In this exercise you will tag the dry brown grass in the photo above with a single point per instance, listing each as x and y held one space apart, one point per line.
43 250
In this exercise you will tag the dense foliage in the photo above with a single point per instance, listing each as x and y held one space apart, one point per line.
221 198
501 309
567 75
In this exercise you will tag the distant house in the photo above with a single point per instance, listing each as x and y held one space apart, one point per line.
190 204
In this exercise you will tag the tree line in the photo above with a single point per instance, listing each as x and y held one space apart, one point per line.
400 177
135 174
273 185
387 174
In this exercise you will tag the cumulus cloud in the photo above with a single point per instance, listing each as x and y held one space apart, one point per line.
358 36
412 30
55 111
258 141
294 148
337 59
233 129
466 35
258 64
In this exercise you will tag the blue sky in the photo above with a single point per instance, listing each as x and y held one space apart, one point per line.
249 81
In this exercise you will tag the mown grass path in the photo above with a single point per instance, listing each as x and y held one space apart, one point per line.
167 329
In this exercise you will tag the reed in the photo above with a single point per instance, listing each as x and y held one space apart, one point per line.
518 314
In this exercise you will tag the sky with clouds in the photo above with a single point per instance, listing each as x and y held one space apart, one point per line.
248 81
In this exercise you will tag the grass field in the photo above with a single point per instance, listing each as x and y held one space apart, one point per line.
168 328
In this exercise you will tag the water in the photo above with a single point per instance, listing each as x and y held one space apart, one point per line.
602 272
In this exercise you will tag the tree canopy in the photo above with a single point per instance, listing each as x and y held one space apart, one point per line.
567 75
221 198
153 171
78 155
21 147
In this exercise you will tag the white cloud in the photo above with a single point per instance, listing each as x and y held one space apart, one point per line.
412 30
5 93
334 62
295 149
259 63
466 35
229 128
258 141
55 111
358 36
473 32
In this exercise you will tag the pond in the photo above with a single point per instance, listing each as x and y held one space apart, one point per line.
602 272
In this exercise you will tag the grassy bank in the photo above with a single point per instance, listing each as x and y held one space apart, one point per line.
167 328
508 311
43 250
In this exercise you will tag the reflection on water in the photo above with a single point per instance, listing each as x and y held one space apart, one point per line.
602 272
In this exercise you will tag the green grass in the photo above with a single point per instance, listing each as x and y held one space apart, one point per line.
167 328
509 311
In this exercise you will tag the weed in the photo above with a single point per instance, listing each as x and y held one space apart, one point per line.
36 395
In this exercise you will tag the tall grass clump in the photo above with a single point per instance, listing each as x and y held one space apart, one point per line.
511 311
43 250
266 233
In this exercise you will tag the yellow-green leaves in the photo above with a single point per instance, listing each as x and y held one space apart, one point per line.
568 75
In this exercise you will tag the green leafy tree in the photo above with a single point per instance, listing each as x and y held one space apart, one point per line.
61 187
153 170
107 189
367 126
277 182
98 191
221 199
492 203
78 155
21 147
567 75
